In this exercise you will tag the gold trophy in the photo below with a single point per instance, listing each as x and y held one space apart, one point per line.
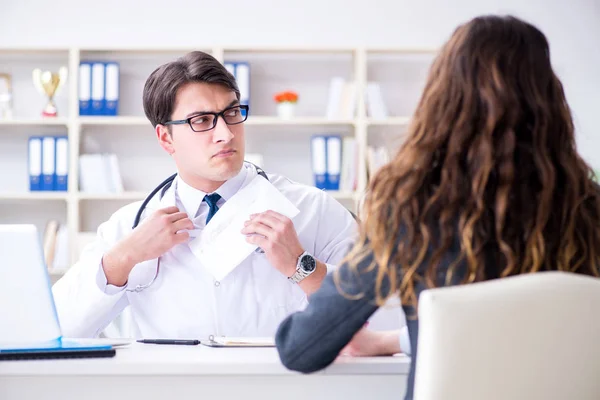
49 83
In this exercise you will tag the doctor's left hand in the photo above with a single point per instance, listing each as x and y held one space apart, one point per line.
275 234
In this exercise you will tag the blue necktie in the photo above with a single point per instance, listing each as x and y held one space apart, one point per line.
211 200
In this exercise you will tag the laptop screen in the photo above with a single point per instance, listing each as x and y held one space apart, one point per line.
27 312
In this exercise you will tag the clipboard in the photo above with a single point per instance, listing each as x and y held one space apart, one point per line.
224 341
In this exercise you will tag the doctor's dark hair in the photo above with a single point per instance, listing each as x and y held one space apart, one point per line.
160 90
489 167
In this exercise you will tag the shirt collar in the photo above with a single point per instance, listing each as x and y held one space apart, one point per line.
191 198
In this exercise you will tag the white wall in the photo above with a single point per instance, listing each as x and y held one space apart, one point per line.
572 27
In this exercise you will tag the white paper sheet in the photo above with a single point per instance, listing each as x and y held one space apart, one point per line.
223 341
221 246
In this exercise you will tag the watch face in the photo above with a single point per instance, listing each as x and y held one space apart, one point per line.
308 263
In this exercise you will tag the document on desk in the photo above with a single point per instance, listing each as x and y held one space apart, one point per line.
240 342
221 246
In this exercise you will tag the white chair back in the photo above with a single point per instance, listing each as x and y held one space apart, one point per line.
534 337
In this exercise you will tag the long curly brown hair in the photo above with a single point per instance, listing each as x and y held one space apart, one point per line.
489 164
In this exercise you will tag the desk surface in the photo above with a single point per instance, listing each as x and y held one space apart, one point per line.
147 359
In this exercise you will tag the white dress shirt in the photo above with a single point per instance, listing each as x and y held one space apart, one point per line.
184 300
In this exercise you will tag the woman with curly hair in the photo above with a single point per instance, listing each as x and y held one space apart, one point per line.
487 185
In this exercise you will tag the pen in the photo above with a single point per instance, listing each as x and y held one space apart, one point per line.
170 341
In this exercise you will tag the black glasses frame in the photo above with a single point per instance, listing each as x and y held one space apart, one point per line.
243 108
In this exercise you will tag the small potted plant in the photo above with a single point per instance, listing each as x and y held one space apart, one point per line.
286 103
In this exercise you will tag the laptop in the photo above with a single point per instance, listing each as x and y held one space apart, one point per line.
29 325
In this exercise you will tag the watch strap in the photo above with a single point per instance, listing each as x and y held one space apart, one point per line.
300 273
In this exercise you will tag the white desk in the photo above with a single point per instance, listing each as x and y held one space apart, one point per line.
144 372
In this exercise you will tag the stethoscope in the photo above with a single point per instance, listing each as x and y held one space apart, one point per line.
166 184
162 188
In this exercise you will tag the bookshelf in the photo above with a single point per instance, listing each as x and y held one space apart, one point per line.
284 143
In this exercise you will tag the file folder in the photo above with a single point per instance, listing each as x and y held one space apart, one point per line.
230 67
319 161
334 162
111 94
85 88
48 163
242 76
35 163
62 163
98 88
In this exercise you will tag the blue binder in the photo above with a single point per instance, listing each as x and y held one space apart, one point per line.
61 153
98 89
48 163
85 88
35 163
242 77
241 73
111 93
319 160
230 67
334 162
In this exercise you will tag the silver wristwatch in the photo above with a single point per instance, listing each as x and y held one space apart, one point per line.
305 266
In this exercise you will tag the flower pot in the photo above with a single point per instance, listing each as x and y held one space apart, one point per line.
285 109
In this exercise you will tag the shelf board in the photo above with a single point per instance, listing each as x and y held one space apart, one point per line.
142 50
305 121
288 49
34 122
402 50
391 121
255 121
142 195
113 196
227 48
28 196
35 50
118 120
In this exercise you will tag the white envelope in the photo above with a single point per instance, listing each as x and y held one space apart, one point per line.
221 246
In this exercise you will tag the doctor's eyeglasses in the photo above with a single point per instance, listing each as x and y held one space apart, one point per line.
205 121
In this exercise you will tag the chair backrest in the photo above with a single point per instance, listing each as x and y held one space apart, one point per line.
534 336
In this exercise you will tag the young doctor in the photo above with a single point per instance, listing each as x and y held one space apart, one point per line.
193 104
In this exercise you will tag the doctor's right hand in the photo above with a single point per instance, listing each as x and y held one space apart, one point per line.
156 235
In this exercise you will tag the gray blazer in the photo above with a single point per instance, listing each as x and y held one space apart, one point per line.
310 340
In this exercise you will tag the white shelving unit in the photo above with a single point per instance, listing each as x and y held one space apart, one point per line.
285 143
35 122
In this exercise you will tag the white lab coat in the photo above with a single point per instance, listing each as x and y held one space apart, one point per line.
185 301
